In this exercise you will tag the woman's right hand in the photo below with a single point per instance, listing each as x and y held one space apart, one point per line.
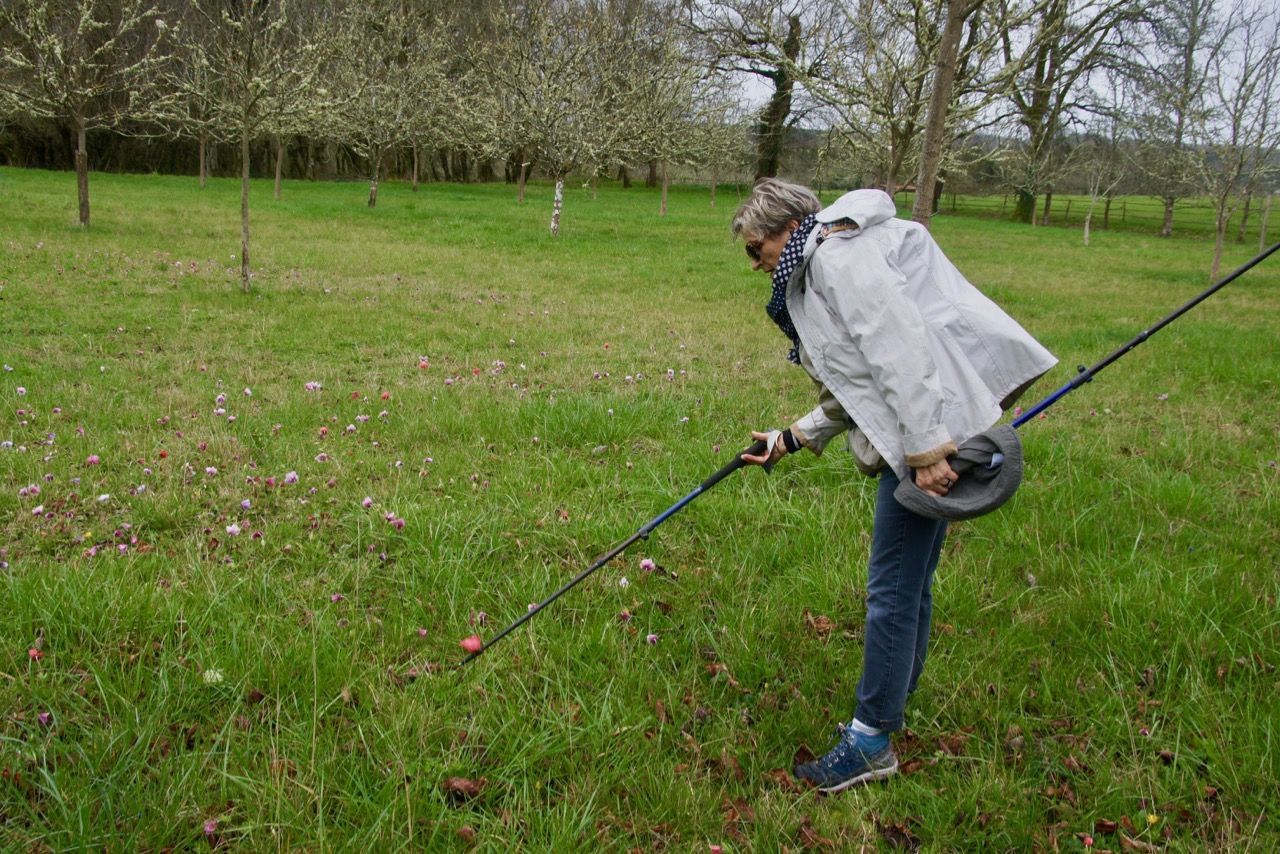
770 455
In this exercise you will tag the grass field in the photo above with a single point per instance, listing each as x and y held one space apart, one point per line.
230 622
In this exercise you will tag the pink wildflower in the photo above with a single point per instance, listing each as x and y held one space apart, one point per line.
648 565
651 639
92 459
291 477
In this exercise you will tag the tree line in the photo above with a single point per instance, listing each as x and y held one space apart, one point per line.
1172 98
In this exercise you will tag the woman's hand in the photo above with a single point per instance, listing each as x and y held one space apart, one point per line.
772 454
936 479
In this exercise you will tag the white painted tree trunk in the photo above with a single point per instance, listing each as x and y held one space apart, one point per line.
557 206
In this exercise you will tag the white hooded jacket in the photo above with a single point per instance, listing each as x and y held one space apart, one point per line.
917 358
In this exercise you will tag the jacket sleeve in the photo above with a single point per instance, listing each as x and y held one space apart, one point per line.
824 423
870 296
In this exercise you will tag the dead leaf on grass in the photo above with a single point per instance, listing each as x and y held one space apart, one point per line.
820 625
898 836
461 789
784 780
810 838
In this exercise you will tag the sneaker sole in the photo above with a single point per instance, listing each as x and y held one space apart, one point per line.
869 777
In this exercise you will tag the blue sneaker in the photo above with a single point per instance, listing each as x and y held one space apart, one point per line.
857 758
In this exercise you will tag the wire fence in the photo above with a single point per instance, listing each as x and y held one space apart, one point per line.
1191 217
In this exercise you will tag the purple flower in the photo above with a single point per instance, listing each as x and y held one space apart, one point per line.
651 639
21 391
211 827
45 718
398 524
337 597
291 477
648 565
322 458
92 459
233 529
244 505
210 470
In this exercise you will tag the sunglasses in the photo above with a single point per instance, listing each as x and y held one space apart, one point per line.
753 249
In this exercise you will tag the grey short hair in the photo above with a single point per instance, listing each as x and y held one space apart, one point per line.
772 205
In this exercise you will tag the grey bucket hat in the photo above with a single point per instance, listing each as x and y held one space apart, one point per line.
990 469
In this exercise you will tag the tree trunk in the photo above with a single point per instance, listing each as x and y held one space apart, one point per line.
666 184
777 112
82 173
244 204
624 175
1244 217
1088 218
1024 208
279 162
1106 214
715 179
652 180
1048 205
1219 238
1166 228
557 206
415 167
1262 228
524 177
204 158
935 129
375 167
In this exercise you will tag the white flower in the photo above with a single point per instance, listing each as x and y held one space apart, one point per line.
212 677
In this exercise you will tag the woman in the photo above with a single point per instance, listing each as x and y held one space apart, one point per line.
910 359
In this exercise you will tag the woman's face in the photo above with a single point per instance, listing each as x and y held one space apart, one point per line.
764 252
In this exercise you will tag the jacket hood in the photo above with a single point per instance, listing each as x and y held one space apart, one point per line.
865 207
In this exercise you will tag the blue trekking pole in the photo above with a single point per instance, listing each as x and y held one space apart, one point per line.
642 534
990 463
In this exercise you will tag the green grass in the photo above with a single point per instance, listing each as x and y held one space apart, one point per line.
1135 677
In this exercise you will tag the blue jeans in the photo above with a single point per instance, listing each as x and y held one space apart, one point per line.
904 554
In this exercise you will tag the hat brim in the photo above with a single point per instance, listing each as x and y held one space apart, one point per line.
989 466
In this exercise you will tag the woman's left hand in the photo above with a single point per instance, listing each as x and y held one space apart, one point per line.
936 479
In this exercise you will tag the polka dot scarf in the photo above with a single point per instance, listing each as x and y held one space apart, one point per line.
792 255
